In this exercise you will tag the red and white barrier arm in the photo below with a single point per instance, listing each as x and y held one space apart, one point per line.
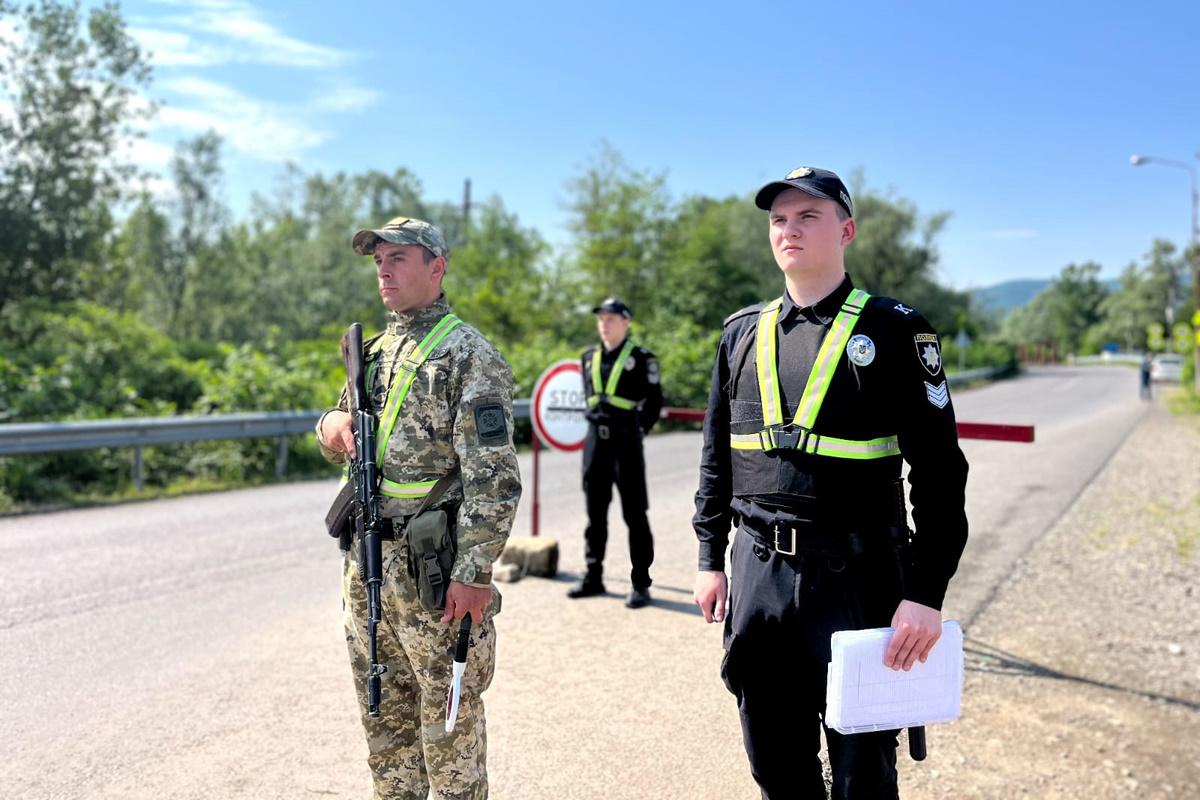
966 430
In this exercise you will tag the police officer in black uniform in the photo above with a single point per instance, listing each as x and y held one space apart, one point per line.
816 398
624 398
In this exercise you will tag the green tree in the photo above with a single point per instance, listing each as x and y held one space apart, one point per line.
894 253
498 280
619 219
72 88
716 259
1062 312
1144 295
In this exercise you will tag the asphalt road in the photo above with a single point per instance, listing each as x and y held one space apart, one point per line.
192 648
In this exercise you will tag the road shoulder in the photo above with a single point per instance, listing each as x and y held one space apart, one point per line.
1083 675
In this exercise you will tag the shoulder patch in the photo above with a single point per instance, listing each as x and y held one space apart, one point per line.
491 425
754 309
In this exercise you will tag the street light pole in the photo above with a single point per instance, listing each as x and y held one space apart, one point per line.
1194 250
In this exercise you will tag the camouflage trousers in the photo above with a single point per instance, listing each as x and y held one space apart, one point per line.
410 752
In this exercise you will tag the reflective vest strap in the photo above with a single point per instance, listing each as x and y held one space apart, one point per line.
859 449
407 373
407 491
618 402
608 394
827 359
768 374
882 447
800 434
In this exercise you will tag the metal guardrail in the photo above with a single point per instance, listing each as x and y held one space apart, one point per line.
23 438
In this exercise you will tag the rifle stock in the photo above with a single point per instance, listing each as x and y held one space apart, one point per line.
368 523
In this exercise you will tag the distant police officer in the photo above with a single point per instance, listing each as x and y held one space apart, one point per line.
816 397
624 397
443 396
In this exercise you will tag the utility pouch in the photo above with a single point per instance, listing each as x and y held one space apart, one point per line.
431 551
338 517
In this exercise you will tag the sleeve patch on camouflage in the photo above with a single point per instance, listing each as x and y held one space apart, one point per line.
490 423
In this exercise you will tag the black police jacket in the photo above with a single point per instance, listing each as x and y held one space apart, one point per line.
640 382
901 392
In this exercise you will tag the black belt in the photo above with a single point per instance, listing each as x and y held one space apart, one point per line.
790 538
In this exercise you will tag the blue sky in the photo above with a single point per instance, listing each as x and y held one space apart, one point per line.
1019 118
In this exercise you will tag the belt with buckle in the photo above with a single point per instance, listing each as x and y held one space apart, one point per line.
790 539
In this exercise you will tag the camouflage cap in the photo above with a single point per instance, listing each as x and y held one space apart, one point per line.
402 230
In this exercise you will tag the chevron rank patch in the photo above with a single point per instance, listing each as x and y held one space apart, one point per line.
937 395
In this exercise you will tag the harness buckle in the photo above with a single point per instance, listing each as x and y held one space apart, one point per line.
785 437
791 541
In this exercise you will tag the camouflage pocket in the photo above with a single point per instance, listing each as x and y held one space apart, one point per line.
431 548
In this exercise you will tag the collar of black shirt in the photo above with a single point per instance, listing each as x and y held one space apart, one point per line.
609 355
824 310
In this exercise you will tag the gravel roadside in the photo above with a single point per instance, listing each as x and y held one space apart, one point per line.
1083 673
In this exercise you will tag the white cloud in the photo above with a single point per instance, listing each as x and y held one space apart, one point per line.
173 49
149 154
220 32
342 99
256 128
191 35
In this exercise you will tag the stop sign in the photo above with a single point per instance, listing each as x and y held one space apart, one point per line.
559 402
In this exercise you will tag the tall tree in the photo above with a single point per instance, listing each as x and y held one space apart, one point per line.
72 84
200 219
498 281
619 218
1063 312
1154 291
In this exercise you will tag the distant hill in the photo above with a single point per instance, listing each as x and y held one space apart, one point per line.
1008 295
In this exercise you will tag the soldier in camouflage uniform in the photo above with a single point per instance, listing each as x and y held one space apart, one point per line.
457 412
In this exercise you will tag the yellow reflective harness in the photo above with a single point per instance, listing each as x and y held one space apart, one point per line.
799 435
391 409
608 394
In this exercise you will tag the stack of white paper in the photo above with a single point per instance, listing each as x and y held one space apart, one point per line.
861 694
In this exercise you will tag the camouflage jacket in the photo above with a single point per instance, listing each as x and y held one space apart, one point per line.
458 412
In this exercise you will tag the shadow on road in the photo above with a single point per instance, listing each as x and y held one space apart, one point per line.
983 657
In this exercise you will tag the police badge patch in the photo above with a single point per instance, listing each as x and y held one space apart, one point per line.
861 350
652 371
630 363
929 351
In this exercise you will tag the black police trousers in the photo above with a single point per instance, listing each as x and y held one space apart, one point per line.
782 611
615 454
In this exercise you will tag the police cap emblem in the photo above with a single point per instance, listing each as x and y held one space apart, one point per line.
861 350
798 172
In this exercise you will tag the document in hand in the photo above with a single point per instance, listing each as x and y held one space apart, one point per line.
861 694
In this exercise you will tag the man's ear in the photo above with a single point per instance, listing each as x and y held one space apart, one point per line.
849 230
438 267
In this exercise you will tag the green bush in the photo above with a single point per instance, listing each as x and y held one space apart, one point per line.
986 353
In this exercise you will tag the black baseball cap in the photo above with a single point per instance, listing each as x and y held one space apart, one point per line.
811 180
614 306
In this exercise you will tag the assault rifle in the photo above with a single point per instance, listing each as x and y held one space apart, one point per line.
369 525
